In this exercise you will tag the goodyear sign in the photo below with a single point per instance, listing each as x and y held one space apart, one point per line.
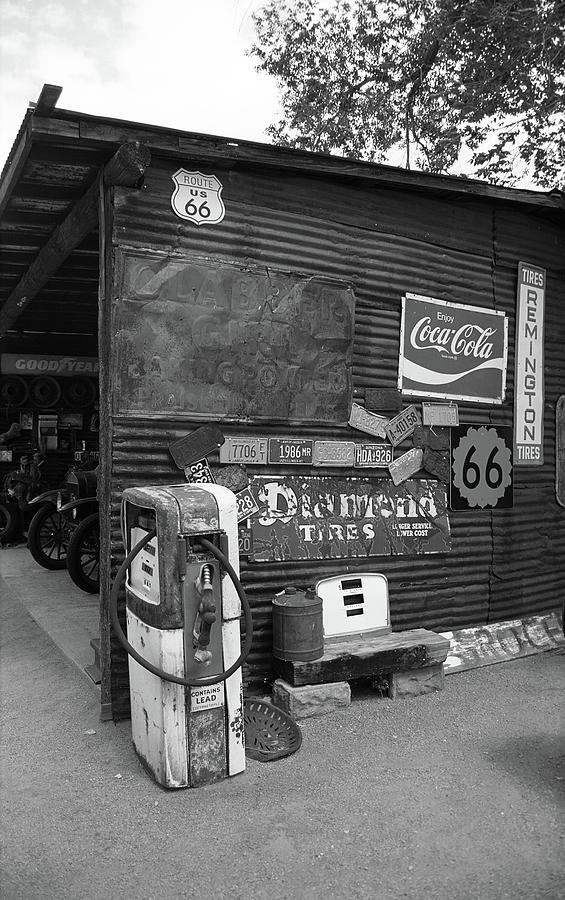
33 364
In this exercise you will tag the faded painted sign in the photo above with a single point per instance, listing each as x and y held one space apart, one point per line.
487 644
529 375
335 518
452 351
217 340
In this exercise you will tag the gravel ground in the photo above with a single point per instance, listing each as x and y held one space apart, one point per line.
455 795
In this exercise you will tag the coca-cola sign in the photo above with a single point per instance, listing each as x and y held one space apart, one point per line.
452 351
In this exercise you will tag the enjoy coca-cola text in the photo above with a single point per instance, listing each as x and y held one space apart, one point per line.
468 340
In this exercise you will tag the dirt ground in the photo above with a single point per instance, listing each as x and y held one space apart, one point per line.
451 796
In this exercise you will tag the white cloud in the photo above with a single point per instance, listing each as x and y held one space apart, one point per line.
177 63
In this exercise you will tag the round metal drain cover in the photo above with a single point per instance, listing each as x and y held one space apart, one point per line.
270 733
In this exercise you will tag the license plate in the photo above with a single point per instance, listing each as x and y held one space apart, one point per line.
366 421
199 473
406 465
246 504
446 414
373 455
247 451
245 538
291 451
402 425
334 453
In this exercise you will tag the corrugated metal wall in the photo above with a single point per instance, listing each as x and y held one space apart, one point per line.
383 243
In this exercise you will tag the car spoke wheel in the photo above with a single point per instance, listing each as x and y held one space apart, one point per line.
83 561
48 538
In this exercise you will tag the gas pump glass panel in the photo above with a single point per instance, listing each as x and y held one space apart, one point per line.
144 572
354 605
182 615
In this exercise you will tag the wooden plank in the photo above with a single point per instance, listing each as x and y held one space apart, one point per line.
54 128
231 150
364 657
14 166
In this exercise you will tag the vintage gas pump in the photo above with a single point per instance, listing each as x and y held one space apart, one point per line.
183 607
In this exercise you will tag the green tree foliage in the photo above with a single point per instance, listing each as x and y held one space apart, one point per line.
479 81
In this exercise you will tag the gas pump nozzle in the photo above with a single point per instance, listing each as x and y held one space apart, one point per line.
205 617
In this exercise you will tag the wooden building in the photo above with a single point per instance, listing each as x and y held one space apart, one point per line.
268 292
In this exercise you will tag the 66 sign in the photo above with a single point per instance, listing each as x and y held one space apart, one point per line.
481 467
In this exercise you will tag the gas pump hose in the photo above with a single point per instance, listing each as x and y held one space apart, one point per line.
167 676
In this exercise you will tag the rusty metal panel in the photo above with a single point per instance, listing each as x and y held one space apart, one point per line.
223 341
304 228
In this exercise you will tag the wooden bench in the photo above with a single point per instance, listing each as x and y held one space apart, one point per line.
412 661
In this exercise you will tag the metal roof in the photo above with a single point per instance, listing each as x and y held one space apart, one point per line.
56 158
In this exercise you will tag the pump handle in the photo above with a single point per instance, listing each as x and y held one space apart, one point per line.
168 676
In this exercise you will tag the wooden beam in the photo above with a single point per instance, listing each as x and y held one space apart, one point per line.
47 100
126 169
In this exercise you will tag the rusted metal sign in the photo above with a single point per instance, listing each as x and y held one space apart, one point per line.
324 518
219 340
233 477
402 425
443 414
334 453
366 421
196 446
383 398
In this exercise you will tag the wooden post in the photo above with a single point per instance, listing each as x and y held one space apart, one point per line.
126 168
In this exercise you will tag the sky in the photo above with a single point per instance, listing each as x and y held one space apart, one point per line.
177 63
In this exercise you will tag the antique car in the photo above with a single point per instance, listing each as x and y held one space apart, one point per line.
65 531
21 489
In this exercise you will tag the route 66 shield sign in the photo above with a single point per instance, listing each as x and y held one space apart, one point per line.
197 197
